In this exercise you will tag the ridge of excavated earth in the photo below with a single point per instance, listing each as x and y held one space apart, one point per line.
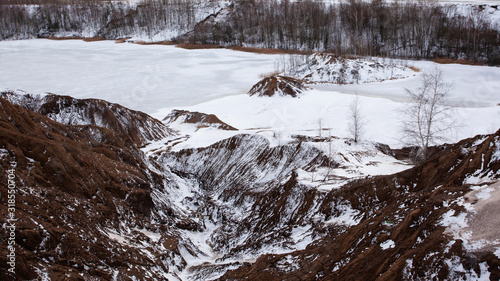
91 204
278 85
198 118
136 125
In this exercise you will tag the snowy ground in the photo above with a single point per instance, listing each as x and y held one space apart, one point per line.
282 117
478 227
156 79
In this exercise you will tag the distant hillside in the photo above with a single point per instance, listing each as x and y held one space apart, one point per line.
402 29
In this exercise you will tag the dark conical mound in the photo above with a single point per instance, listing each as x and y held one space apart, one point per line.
278 85
201 119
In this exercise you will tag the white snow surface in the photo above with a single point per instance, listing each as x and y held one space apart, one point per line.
328 68
3 153
454 222
348 216
460 225
388 244
355 160
145 78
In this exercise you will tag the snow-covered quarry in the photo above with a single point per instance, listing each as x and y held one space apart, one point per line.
228 181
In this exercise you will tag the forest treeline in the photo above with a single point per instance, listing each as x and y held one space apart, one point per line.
98 18
403 29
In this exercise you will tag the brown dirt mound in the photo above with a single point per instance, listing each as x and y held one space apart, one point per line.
278 85
69 188
86 39
268 51
134 125
167 43
198 46
456 61
202 119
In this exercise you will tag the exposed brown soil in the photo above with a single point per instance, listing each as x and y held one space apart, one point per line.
456 61
274 85
135 126
86 39
416 69
201 119
269 51
93 39
198 46
405 208
167 43
69 188
190 46
64 38
255 50
122 40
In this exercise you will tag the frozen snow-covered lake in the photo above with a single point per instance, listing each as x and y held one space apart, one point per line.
145 78
156 79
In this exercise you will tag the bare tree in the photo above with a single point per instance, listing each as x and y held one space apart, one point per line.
356 120
330 157
320 127
427 116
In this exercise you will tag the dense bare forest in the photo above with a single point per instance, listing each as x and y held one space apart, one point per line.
106 19
409 29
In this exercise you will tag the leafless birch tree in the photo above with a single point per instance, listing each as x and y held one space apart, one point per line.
356 120
427 117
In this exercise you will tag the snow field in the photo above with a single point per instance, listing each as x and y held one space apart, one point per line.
145 78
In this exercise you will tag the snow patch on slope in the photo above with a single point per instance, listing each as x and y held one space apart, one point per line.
329 68
388 244
348 161
347 216
478 226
